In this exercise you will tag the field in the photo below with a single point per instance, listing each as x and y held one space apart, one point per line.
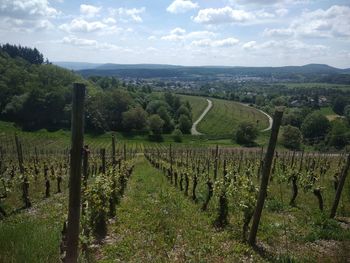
158 220
225 116
317 85
198 104
159 194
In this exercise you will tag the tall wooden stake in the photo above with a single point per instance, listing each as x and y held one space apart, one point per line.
340 187
75 173
277 119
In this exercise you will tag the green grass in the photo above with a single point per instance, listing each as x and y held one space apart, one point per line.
33 236
317 85
198 105
156 223
225 116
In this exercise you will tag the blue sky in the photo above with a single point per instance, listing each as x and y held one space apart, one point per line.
182 32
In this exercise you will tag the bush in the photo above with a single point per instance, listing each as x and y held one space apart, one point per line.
291 137
315 126
338 136
246 133
156 124
177 135
134 119
339 104
185 124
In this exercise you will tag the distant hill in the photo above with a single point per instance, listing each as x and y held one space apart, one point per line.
306 73
77 65
110 66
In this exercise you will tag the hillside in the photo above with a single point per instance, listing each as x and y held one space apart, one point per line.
225 116
306 73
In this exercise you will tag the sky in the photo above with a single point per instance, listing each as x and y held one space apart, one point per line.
182 32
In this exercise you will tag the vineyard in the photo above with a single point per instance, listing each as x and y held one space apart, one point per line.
170 203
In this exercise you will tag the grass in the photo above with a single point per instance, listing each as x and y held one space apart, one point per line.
156 223
329 113
225 116
198 105
317 86
33 235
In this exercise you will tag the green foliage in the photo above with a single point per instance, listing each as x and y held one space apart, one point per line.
168 122
135 119
339 104
291 137
177 135
33 56
315 126
156 124
246 133
185 124
325 228
339 134
347 113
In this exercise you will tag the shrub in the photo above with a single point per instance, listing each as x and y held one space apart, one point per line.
291 137
246 133
177 135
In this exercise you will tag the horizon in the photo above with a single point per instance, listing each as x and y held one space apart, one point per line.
177 65
183 32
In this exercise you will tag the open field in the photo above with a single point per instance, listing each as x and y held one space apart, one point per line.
198 105
225 116
317 85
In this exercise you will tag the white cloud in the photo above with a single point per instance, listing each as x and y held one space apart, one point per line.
89 10
249 45
286 47
277 32
333 22
27 15
180 34
227 15
125 14
227 42
152 38
81 25
27 9
282 11
181 6
109 20
81 42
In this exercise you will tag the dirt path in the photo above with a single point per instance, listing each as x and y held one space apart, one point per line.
263 112
194 126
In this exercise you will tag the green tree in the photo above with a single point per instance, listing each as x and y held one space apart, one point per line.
135 119
183 110
156 124
315 126
339 104
291 137
339 135
168 122
185 124
246 133
347 113
177 135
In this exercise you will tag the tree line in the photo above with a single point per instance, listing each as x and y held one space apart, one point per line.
36 95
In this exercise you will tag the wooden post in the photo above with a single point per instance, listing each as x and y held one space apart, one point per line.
75 172
103 160
124 152
277 119
216 163
340 187
113 151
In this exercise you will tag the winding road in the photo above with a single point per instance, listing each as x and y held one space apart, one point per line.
194 125
210 105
